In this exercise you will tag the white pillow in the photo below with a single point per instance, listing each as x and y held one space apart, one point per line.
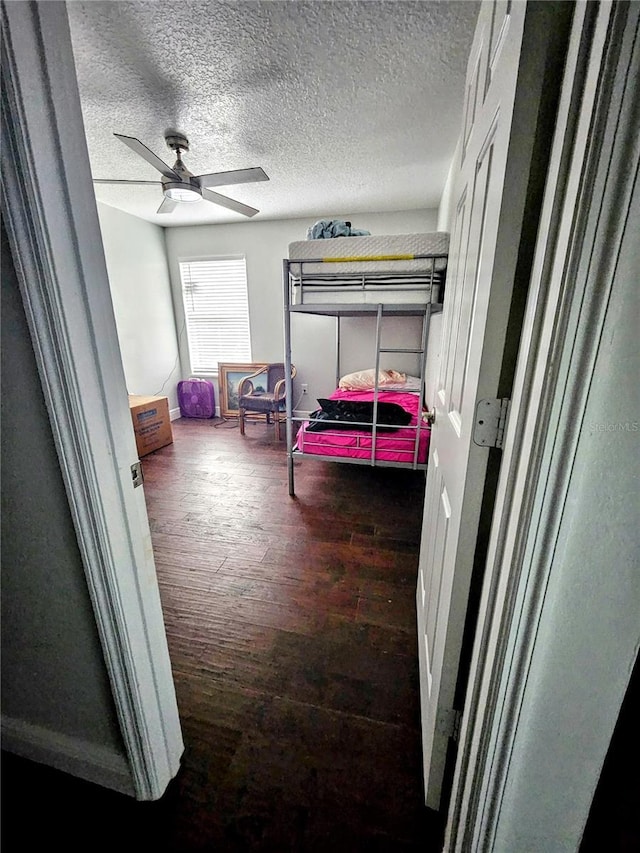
364 380
410 383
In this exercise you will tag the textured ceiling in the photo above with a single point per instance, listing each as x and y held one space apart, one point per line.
348 106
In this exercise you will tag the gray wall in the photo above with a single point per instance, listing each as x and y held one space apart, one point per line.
142 304
54 679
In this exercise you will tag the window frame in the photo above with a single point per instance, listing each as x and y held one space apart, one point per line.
194 259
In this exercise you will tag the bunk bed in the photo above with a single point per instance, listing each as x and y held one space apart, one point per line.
385 422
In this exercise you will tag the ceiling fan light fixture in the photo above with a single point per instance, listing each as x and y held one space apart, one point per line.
182 194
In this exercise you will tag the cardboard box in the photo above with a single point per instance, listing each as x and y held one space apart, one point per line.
151 424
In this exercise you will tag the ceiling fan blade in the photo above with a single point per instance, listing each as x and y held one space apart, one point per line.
237 176
148 155
106 181
168 205
223 201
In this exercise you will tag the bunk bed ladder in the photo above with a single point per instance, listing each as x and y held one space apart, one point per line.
422 352
288 380
374 429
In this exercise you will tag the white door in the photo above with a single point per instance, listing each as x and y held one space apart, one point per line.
503 91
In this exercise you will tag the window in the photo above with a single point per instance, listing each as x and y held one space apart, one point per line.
216 308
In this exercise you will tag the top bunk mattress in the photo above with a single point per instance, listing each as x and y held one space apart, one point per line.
376 248
369 269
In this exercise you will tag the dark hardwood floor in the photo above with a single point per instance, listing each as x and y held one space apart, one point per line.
291 630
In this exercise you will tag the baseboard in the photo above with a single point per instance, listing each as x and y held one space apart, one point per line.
174 414
72 755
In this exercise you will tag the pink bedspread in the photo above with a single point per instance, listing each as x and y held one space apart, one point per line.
357 444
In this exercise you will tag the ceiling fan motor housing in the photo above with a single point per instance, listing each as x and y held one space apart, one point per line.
177 142
188 189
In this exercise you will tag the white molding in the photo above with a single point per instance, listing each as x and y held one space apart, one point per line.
565 311
69 754
53 228
174 414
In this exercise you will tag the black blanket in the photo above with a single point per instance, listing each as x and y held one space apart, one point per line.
350 414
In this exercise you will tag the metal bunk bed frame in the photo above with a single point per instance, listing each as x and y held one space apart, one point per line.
426 281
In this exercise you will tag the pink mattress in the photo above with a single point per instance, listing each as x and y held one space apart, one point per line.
395 446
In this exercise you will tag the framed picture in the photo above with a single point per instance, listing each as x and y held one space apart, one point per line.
229 376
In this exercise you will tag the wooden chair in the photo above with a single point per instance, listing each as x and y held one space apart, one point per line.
271 402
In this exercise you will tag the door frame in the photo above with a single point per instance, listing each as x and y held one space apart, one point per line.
53 227
564 317
50 213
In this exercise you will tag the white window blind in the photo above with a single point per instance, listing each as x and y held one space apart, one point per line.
214 293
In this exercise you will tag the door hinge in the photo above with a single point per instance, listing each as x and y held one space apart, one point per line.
449 723
491 422
136 474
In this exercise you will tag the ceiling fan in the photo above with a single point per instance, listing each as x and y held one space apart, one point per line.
179 185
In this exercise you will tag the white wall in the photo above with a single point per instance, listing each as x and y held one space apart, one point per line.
142 303
445 209
264 245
